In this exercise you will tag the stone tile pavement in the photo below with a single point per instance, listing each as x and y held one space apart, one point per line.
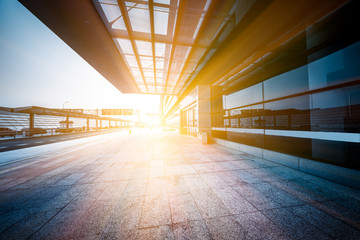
159 185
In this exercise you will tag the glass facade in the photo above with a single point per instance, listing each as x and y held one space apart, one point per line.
275 104
189 120
308 108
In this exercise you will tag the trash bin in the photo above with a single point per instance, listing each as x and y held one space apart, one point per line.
204 138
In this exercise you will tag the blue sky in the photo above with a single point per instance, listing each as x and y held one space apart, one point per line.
38 68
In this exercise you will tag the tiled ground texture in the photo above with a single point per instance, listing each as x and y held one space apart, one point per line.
159 185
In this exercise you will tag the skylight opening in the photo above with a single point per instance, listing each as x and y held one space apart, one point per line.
108 1
142 88
131 60
140 18
136 72
159 74
162 1
144 48
151 89
147 62
161 19
148 73
125 45
139 80
112 12
159 63
198 28
160 49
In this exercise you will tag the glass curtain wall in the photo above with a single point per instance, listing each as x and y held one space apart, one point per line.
189 120
311 110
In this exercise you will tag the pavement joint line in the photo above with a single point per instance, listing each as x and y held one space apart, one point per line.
49 220
22 144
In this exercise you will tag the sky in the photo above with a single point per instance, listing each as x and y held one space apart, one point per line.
38 69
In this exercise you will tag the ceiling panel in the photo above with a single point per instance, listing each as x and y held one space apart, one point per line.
160 47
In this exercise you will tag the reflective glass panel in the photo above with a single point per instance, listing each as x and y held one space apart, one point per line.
288 114
341 66
330 110
330 99
322 68
288 83
243 97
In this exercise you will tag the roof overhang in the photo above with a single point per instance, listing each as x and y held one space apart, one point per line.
56 112
151 47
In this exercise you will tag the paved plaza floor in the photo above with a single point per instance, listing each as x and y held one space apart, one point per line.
159 185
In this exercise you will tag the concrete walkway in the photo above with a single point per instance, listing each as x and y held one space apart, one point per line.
159 185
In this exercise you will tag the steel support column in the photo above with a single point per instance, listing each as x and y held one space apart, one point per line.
67 122
31 124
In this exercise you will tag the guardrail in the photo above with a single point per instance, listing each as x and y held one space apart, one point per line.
49 132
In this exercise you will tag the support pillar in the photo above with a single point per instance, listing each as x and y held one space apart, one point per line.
204 109
97 124
182 123
67 122
100 124
87 124
31 124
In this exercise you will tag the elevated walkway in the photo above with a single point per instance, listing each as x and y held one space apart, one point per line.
159 185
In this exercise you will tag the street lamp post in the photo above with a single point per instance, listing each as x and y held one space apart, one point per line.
64 104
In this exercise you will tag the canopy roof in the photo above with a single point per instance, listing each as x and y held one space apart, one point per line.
56 112
151 47
163 41
168 47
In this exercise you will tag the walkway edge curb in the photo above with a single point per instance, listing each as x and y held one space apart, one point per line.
344 176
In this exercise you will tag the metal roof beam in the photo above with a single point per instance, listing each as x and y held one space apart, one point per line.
198 36
177 27
125 15
152 30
